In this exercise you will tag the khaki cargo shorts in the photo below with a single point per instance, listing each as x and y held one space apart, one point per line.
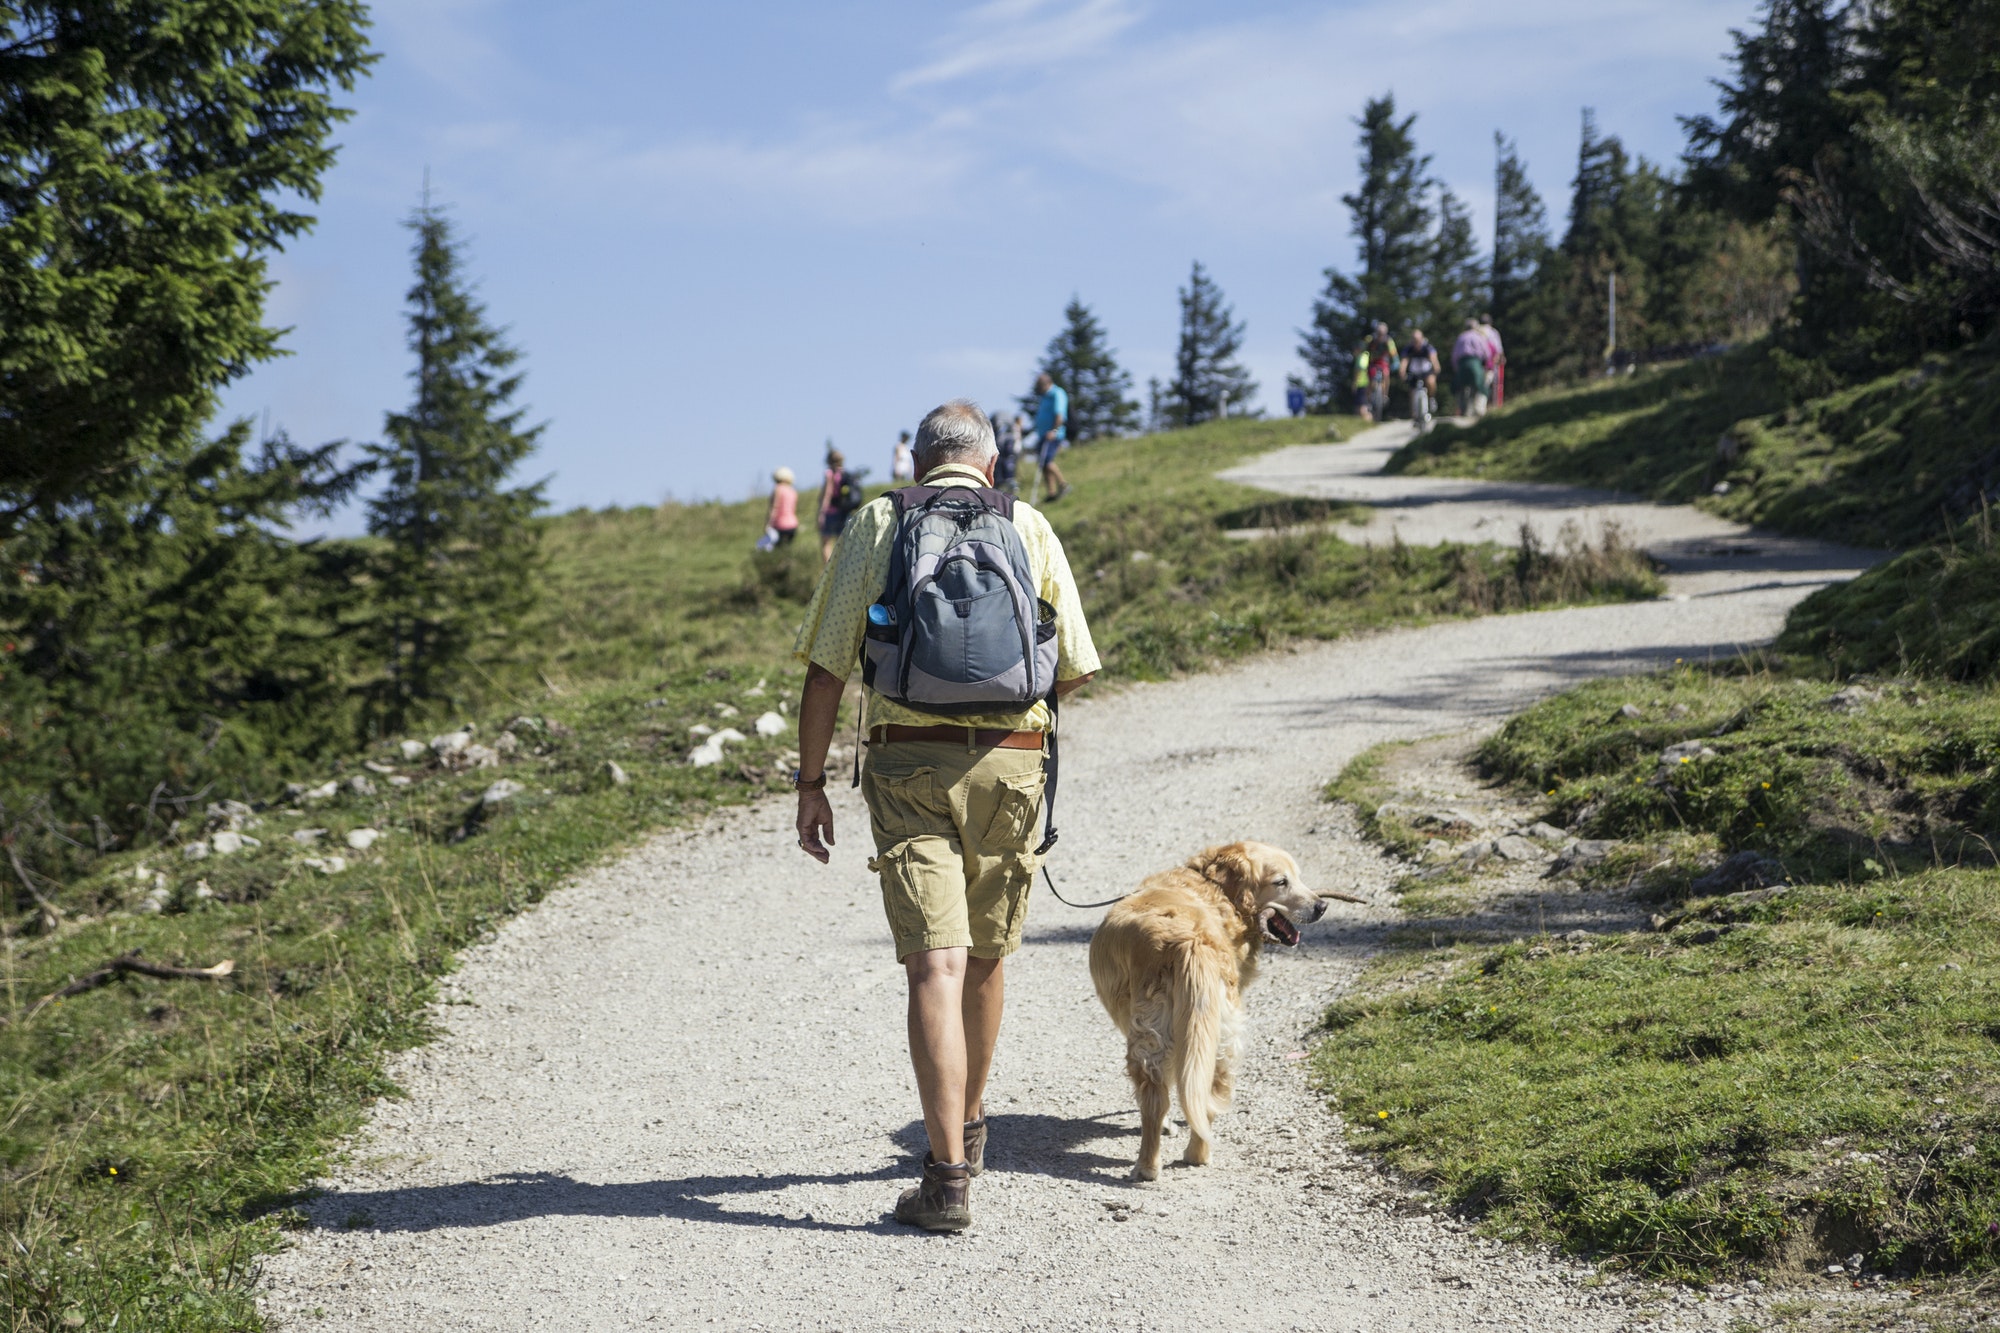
955 832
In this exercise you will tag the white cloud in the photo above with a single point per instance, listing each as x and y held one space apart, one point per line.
1021 35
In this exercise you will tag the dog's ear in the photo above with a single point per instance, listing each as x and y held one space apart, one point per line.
1230 869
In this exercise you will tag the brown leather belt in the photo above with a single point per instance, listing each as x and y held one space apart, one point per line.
971 738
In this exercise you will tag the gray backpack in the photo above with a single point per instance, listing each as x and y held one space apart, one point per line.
959 628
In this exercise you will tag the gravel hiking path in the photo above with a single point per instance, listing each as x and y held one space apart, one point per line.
676 1094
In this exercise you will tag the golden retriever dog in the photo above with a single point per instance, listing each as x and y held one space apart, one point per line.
1170 964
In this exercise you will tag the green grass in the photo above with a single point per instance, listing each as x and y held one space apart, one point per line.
1765 1083
154 1135
1935 609
1891 462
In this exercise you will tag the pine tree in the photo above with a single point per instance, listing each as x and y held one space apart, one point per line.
1456 285
163 635
1782 111
1391 219
1617 218
1099 389
1521 241
1527 270
1208 381
153 156
463 559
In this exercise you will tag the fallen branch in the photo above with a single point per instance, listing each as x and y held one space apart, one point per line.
1343 897
123 964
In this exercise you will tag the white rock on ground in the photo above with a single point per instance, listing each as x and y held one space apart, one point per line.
228 843
326 865
361 839
770 724
326 791
414 749
451 742
506 789
668 1108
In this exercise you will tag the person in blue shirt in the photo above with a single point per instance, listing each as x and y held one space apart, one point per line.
1051 422
1295 400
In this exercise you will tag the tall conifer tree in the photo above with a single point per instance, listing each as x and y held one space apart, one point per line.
1456 285
1391 220
1208 380
463 557
1526 270
1099 389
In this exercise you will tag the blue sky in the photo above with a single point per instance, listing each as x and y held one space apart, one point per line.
722 233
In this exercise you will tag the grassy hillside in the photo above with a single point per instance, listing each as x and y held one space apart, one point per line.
1773 1077
1889 463
157 1131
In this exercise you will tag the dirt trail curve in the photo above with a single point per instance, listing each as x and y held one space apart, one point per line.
675 1095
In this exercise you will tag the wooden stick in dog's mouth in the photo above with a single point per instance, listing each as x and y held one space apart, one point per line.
1343 897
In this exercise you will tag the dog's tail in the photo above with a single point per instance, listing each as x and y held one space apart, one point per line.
1198 1020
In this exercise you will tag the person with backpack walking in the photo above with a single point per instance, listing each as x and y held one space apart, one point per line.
957 603
1051 427
1496 373
839 496
1469 355
1007 439
902 465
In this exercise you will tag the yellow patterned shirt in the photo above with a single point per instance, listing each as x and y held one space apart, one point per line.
835 622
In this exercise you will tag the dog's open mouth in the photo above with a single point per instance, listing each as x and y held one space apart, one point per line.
1281 929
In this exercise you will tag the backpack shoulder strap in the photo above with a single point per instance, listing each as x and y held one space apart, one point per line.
907 498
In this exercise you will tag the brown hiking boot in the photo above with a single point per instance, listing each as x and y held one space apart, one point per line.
942 1201
975 1145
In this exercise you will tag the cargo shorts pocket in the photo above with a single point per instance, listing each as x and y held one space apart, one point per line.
903 804
1017 796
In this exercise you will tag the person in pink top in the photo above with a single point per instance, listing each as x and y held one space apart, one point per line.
1496 368
783 520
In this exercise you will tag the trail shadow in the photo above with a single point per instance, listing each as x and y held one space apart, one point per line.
1044 1145
524 1195
1034 1144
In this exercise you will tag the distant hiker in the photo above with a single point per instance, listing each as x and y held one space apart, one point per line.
1295 400
953 788
1051 427
1361 406
1007 439
902 465
1420 372
1381 365
781 524
1469 355
836 502
1497 379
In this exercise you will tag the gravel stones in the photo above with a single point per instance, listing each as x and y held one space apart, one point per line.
668 1113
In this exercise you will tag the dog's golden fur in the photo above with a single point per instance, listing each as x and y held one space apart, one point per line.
1170 964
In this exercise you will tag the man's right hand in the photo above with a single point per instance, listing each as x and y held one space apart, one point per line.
814 821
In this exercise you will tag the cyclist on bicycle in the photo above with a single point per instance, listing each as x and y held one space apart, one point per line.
1381 365
1420 368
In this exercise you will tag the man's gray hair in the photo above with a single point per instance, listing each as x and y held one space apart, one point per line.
957 432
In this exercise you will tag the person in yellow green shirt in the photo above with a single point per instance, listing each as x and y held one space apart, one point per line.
952 805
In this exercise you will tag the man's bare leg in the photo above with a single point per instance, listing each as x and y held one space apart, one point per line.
985 996
937 1046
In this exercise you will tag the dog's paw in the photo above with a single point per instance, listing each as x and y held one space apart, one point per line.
1140 1171
1197 1152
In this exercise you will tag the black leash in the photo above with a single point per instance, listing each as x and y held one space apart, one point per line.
1049 817
1083 906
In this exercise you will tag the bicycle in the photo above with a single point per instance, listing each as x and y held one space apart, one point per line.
1378 391
1420 405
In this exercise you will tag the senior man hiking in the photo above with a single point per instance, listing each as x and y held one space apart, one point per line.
957 602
